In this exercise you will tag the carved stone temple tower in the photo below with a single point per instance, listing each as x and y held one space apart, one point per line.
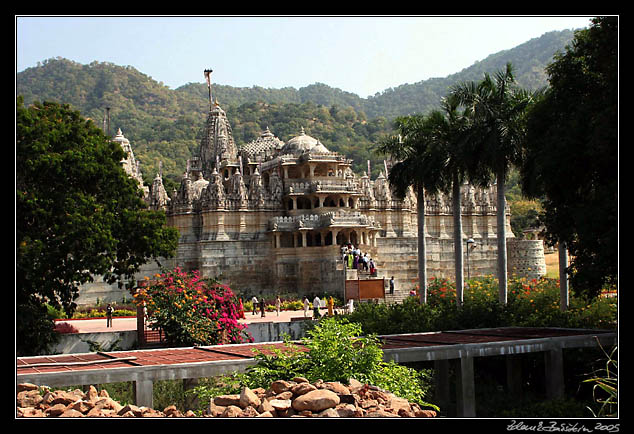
271 216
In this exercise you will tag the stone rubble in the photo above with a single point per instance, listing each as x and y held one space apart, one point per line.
296 398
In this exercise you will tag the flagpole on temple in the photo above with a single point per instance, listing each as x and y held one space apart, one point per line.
207 73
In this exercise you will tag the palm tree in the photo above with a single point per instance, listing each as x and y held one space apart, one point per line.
447 147
418 167
496 107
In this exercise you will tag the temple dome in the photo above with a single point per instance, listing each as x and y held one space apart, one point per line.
299 144
267 142
319 148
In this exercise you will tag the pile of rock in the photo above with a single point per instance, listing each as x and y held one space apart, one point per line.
300 398
35 401
296 398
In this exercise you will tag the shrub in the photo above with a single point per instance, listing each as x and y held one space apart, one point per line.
336 352
64 327
191 311
531 303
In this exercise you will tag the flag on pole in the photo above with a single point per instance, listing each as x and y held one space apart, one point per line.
208 76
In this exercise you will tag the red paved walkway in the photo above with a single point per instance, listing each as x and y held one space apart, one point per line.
124 324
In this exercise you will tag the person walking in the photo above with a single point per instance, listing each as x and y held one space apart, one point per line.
254 301
316 305
278 305
109 311
350 305
392 285
306 306
262 306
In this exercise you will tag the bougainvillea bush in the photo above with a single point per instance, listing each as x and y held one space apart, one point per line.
191 310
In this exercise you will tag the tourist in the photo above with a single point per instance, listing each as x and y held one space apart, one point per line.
254 300
355 262
372 267
241 310
350 260
316 305
392 285
278 305
350 306
109 311
331 305
262 306
306 305
365 262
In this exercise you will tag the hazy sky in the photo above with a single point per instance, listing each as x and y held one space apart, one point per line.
363 55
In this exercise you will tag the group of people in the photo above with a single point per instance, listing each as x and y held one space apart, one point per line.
353 258
316 304
330 304
262 305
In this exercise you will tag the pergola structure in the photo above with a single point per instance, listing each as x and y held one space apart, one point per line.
143 367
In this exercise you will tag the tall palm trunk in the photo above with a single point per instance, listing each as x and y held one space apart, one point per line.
563 277
501 229
422 248
457 240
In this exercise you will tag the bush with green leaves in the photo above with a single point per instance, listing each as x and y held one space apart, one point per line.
336 352
531 303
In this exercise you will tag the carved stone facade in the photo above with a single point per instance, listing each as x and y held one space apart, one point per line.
271 216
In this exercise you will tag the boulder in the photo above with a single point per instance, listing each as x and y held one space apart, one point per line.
248 398
302 388
316 400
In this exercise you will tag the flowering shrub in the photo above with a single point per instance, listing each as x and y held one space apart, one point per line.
530 303
64 327
191 311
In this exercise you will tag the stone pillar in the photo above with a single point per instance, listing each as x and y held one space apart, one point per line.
465 386
554 365
441 377
221 234
321 200
143 393
514 374
334 233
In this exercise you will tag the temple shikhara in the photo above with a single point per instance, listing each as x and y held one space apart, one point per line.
272 216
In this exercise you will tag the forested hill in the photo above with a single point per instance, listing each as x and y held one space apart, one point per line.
165 124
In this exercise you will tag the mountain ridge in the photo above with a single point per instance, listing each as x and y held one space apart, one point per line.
165 124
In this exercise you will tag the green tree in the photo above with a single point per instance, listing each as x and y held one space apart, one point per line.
571 155
448 149
78 214
497 108
416 166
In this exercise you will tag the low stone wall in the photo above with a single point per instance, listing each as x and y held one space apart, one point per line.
73 343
